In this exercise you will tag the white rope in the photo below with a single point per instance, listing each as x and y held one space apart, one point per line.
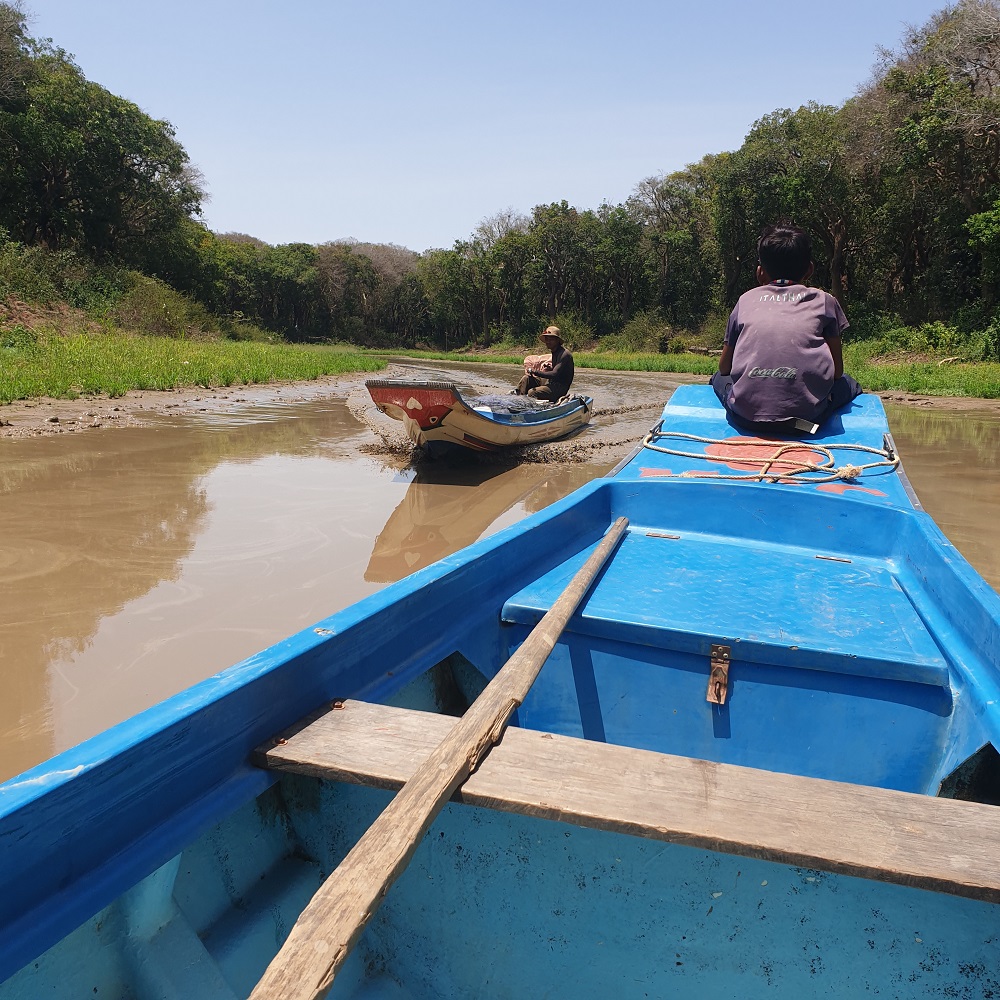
784 468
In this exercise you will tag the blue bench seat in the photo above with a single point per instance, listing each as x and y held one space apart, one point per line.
772 604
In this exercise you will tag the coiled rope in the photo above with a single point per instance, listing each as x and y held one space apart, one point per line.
775 467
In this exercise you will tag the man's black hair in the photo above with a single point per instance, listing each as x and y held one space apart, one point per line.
785 252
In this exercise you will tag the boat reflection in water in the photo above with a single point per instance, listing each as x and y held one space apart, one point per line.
450 506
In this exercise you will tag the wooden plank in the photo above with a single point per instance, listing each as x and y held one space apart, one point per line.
330 925
915 840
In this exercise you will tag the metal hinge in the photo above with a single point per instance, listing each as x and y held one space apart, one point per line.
718 679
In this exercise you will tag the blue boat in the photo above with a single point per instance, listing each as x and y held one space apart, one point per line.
759 761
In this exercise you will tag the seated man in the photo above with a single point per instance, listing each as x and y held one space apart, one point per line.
550 379
782 367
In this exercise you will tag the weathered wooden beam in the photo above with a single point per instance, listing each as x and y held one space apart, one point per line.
916 840
332 922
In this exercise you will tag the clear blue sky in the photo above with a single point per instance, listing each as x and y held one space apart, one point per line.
398 121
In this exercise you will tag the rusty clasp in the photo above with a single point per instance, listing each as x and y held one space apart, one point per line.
718 678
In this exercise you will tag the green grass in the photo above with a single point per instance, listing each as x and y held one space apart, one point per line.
696 364
45 363
690 364
976 379
40 364
980 379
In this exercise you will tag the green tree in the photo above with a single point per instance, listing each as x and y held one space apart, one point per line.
984 233
442 275
479 298
556 264
929 147
792 165
680 252
619 265
512 255
82 168
14 60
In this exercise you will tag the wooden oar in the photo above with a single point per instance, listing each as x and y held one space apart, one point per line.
332 922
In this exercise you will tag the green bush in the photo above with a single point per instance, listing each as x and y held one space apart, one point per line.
238 328
501 337
574 331
928 338
354 331
152 307
45 277
646 333
712 331
973 317
870 324
941 337
990 341
18 338
24 274
85 286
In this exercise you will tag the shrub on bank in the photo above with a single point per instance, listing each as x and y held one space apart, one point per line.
152 307
18 337
48 277
574 330
972 336
646 333
23 274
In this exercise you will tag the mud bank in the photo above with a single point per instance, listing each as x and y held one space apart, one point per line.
44 416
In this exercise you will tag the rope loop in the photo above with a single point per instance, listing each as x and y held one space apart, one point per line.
775 467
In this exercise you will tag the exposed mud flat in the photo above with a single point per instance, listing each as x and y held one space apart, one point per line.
35 417
613 392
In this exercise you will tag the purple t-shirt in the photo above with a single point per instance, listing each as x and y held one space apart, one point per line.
782 366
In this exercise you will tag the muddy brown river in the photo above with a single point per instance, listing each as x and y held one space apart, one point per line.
137 561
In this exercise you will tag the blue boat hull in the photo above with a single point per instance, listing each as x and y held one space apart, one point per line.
156 860
508 906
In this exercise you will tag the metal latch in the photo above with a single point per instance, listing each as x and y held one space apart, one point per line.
718 679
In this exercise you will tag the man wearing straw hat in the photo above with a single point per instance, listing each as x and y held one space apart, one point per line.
549 379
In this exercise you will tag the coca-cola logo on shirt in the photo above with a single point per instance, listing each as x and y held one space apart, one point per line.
789 373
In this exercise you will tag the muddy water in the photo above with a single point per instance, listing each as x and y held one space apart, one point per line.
953 462
137 561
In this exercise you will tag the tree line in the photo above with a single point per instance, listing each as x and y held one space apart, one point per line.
899 187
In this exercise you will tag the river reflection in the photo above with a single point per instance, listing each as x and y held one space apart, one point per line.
953 461
138 561
447 508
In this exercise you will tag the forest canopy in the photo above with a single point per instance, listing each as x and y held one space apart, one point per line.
899 187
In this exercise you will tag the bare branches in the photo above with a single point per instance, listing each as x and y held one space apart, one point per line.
495 227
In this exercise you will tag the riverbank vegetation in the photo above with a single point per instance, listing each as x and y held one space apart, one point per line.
101 243
904 372
113 363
